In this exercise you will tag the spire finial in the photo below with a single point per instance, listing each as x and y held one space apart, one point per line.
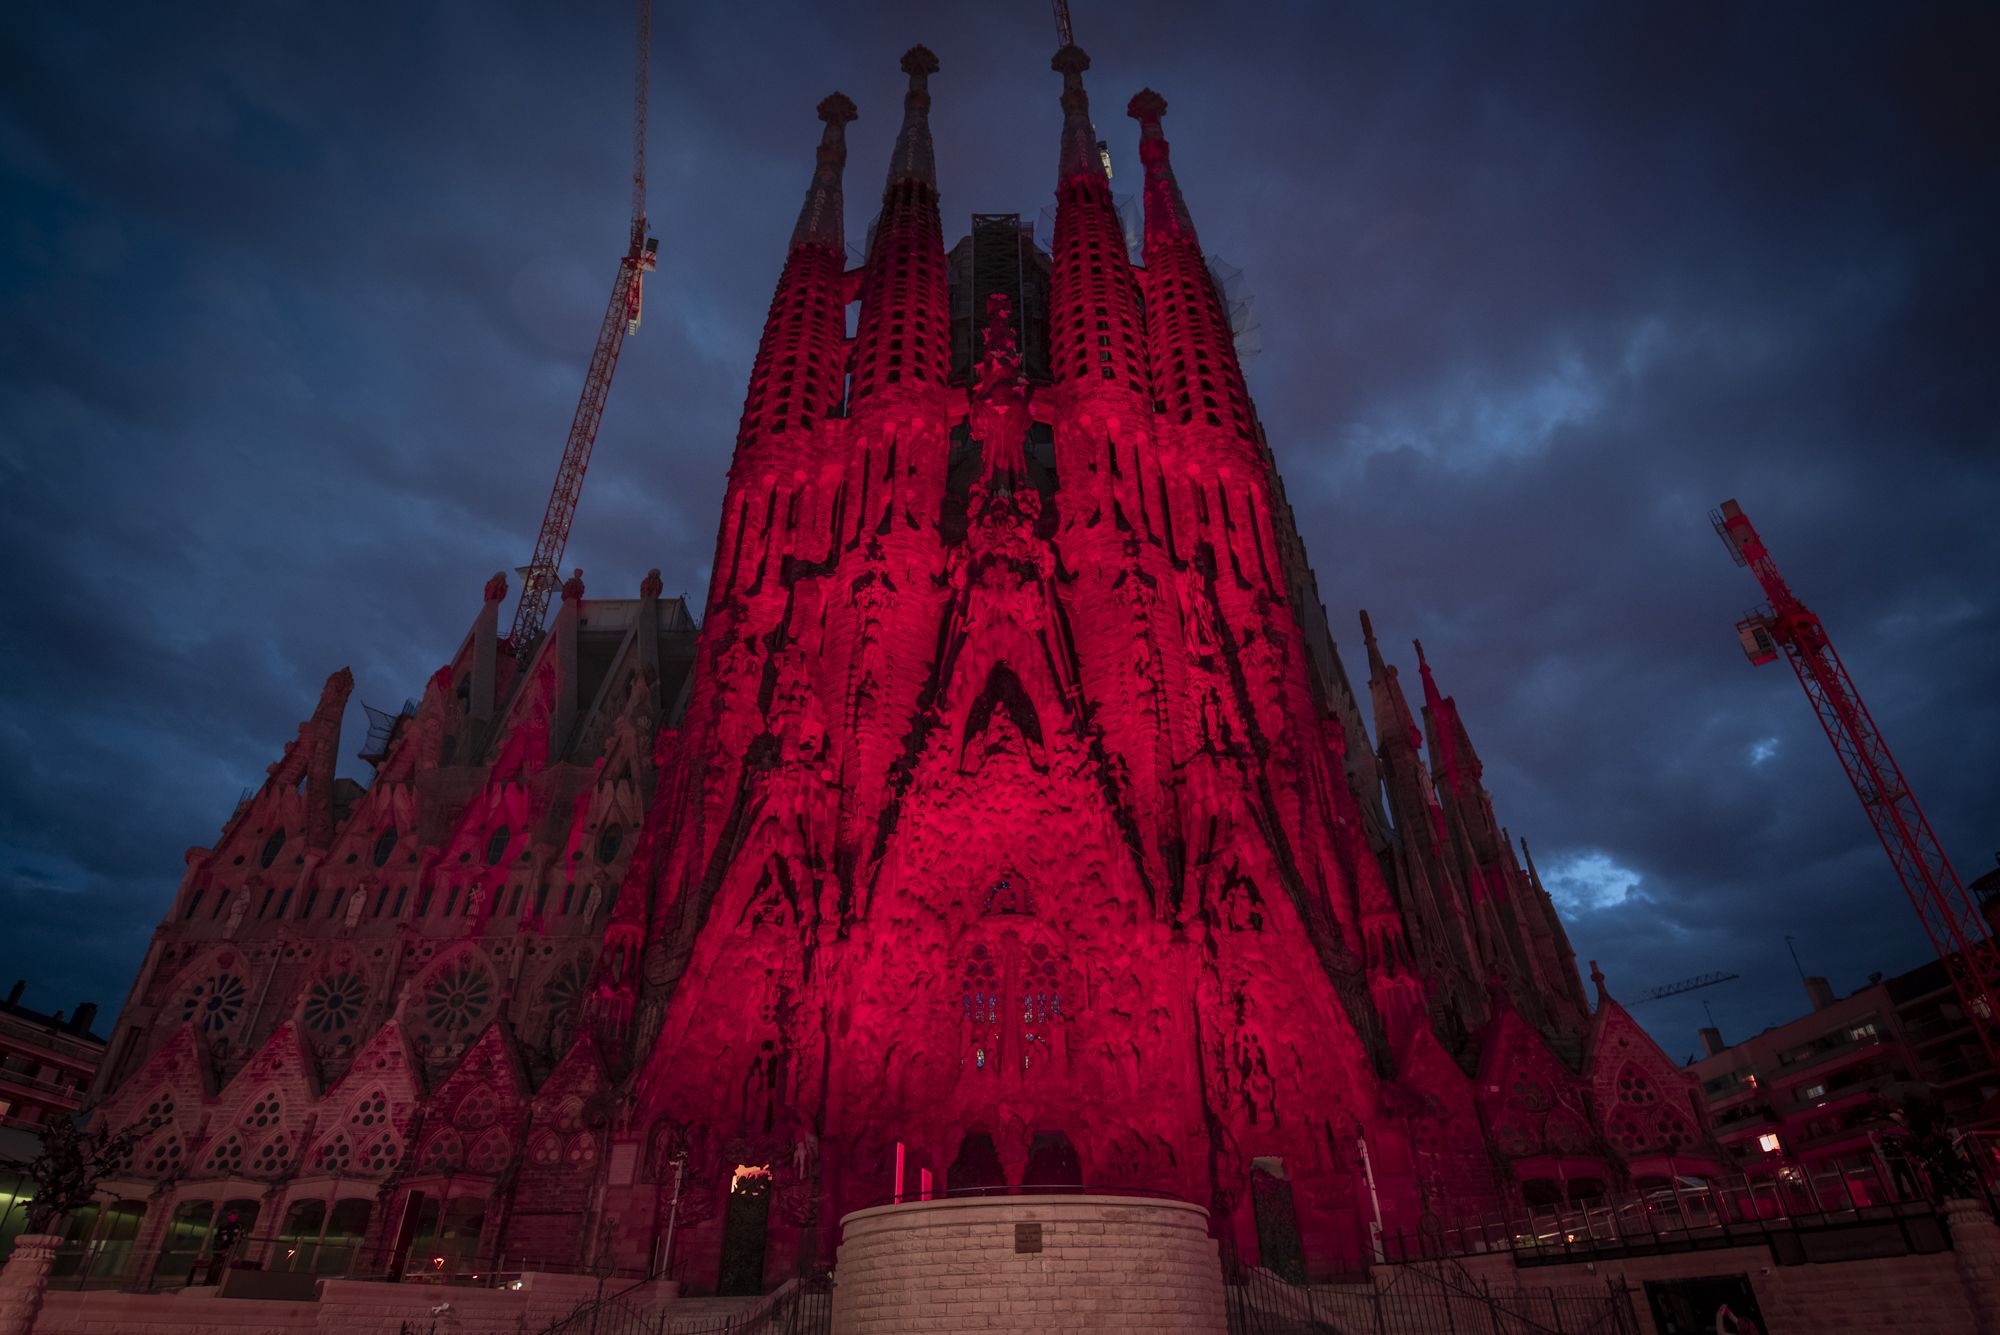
1167 217
1367 628
1146 107
819 220
913 159
1079 137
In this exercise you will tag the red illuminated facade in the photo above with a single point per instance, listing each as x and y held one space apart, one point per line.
1009 821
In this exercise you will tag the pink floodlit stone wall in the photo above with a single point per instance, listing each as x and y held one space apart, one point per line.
1028 1263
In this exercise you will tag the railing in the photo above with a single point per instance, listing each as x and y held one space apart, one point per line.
802 1306
102 1264
1417 1301
1694 1213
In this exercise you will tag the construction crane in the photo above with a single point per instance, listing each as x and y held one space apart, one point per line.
621 318
1064 36
1694 984
1953 921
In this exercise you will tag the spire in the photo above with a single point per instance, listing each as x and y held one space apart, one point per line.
1444 724
1376 667
1079 137
1166 212
913 159
902 332
1393 720
819 220
1197 378
1097 327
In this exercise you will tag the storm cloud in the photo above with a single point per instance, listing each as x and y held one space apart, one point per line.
295 303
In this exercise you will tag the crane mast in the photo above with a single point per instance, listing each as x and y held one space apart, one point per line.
1064 37
1953 922
621 318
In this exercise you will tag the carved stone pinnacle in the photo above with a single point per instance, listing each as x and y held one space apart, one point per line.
837 109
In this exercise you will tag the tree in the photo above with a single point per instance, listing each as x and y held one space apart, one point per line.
69 1167
1927 1138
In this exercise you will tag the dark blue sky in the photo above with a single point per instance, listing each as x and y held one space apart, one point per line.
295 302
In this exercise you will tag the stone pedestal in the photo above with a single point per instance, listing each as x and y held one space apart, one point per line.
24 1279
1975 1242
1028 1263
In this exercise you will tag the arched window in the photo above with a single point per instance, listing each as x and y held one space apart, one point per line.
984 980
1014 997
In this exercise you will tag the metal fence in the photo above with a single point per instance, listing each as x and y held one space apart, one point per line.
802 1306
1422 1300
1687 1214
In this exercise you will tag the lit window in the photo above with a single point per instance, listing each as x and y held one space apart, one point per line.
1768 1142
1814 1092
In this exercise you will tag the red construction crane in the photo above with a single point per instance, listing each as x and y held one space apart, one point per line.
539 577
1957 929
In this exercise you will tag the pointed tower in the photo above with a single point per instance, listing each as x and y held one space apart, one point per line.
1432 890
798 379
1197 381
883 618
1095 308
902 336
1513 927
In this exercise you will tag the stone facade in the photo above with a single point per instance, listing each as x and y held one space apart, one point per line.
1045 1263
1009 820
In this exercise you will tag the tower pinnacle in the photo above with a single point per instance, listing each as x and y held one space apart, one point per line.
913 159
1167 216
1079 139
819 219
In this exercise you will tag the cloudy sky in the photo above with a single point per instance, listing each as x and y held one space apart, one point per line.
295 302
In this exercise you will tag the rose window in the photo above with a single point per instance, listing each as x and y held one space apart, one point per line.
334 1002
160 1111
457 998
548 1150
566 991
215 1003
582 1151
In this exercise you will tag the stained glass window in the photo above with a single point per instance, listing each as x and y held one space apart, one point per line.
458 997
334 1002
214 1004
983 981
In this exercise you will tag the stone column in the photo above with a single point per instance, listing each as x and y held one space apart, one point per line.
1975 1241
26 1278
